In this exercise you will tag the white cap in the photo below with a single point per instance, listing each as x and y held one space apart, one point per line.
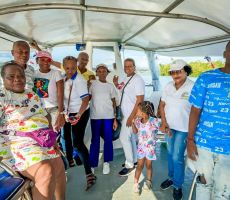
102 65
177 65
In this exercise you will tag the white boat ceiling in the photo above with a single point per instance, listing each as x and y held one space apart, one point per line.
169 27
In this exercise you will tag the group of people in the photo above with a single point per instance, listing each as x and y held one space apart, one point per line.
193 116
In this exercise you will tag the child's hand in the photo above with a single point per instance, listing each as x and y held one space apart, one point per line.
129 121
115 124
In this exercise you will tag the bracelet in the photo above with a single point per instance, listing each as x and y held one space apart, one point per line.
62 113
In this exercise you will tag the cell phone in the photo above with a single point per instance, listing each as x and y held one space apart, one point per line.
72 118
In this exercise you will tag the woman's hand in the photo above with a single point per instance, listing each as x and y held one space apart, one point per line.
34 45
129 121
164 128
115 124
57 148
192 149
59 122
73 120
135 130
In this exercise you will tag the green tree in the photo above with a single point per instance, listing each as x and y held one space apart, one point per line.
197 67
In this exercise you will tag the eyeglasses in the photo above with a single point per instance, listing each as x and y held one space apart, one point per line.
175 72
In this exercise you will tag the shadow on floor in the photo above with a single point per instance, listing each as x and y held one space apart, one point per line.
113 187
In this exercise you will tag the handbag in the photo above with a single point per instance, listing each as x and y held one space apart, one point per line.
45 137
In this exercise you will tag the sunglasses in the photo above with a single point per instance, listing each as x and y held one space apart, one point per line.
175 72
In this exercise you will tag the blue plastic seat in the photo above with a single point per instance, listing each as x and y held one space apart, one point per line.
9 184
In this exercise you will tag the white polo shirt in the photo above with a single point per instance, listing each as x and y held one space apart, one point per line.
177 107
101 105
134 88
79 91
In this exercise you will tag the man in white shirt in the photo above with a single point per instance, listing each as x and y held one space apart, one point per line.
21 54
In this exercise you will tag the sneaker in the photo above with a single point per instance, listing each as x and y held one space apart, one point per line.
93 170
147 185
136 188
166 184
135 164
106 168
126 171
177 194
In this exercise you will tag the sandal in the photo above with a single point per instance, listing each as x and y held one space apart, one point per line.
147 185
91 180
71 163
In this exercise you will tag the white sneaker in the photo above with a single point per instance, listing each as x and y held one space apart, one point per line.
106 168
93 170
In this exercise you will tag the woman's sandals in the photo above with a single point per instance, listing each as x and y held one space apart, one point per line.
91 180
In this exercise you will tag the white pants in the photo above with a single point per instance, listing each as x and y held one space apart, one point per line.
216 170
129 143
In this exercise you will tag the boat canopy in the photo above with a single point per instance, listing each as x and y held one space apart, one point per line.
167 27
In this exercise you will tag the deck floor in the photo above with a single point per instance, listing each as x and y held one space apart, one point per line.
114 187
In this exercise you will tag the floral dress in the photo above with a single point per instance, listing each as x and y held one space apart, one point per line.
22 112
147 138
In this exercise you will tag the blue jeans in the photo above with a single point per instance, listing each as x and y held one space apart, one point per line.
176 145
215 169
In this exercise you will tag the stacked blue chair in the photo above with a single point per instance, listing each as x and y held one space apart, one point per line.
12 186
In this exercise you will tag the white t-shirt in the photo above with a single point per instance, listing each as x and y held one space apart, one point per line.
29 73
135 87
79 91
177 107
45 85
101 106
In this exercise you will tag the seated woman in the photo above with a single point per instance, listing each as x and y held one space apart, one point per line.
21 111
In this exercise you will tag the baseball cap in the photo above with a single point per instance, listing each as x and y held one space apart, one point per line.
177 65
43 54
102 65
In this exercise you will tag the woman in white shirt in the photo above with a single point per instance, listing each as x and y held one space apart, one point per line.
76 100
175 109
49 86
102 115
133 88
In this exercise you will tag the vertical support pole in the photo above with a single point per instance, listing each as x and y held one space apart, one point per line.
118 61
154 70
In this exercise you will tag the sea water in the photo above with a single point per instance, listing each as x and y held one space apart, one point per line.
163 82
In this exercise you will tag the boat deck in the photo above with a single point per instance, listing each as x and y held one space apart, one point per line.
114 187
